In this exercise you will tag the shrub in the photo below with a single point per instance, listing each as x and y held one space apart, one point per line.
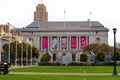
79 64
45 57
117 56
50 63
83 57
100 56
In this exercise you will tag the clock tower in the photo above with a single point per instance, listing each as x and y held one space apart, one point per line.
41 15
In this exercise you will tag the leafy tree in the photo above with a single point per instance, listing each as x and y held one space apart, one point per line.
45 57
96 47
83 57
100 56
117 56
35 51
105 48
90 47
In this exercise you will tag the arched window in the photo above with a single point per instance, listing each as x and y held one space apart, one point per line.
98 40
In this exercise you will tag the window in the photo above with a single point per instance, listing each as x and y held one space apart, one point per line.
54 57
73 57
98 40
54 42
64 42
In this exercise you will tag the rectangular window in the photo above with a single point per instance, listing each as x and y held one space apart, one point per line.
73 57
45 42
73 42
54 57
64 43
83 42
54 42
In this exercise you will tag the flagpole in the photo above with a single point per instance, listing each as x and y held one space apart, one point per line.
9 45
64 17
90 18
1 46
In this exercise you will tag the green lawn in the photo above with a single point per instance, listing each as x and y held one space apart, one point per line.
77 69
54 77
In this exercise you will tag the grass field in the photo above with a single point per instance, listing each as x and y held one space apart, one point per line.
54 77
76 69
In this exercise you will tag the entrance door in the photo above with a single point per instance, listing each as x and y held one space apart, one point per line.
64 59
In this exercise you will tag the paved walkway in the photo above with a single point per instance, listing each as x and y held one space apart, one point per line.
57 73
14 66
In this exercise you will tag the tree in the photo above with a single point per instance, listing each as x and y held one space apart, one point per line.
45 57
117 56
83 57
105 48
90 47
35 51
100 56
98 47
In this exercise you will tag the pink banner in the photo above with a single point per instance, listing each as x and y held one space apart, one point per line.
73 42
83 42
45 42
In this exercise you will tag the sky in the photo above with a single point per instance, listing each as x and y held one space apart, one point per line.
20 12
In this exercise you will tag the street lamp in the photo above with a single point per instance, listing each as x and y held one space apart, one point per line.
9 45
21 41
1 35
27 52
114 71
31 54
30 42
16 53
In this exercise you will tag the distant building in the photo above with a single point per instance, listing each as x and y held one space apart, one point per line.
16 32
4 27
64 40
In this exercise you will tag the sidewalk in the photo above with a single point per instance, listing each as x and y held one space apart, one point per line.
18 66
57 73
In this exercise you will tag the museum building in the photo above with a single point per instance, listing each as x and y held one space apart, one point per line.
64 40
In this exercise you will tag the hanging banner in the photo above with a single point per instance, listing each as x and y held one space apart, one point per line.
83 42
64 42
54 42
45 42
73 42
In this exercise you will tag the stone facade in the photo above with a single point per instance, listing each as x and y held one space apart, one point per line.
64 40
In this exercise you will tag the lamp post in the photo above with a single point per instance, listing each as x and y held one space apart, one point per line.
31 54
0 47
27 52
114 71
2 33
9 45
16 54
21 41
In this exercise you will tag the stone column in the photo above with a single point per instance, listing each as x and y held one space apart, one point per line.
77 42
67 42
58 43
70 43
87 40
48 43
51 42
41 42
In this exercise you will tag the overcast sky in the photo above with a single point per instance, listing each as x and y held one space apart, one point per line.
20 12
